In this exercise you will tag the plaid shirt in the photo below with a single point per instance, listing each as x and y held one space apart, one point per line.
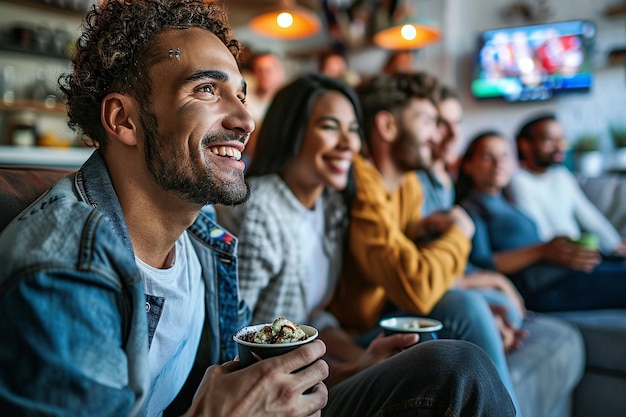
272 268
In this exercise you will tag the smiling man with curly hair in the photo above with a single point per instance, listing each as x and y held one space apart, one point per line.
118 291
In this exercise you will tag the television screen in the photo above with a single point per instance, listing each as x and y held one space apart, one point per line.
534 62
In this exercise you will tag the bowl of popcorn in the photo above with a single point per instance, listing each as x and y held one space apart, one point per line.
262 341
427 328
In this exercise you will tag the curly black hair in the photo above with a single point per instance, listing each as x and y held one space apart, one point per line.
116 49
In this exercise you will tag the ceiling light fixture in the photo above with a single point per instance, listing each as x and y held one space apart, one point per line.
287 21
406 31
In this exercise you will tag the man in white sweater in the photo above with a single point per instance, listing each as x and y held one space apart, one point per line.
549 193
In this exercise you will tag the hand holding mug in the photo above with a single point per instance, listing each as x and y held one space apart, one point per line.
272 387
563 251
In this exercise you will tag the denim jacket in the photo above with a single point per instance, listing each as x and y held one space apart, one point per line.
73 320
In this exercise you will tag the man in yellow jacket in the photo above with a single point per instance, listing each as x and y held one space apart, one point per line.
386 263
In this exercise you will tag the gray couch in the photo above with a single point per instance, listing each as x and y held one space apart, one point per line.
546 372
602 390
548 367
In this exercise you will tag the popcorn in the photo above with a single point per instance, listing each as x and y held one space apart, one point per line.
411 325
280 331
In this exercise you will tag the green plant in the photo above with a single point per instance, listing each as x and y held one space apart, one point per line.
586 143
618 133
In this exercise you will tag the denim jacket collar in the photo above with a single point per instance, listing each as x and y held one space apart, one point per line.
94 185
216 250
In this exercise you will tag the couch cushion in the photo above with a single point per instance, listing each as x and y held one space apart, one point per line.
608 193
604 333
548 367
600 395
20 186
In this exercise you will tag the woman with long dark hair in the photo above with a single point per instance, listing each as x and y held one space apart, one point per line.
551 276
292 231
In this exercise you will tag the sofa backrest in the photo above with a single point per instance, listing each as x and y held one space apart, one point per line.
21 185
608 193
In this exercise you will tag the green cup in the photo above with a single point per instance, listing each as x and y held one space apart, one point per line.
588 240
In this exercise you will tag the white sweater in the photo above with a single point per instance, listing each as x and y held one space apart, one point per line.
559 207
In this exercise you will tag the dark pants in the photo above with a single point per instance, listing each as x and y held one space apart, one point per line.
435 378
551 288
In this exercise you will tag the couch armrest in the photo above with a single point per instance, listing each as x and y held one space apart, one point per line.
21 185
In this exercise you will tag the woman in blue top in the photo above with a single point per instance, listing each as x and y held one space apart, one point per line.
551 276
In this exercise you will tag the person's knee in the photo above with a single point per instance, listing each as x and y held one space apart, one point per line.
459 354
472 304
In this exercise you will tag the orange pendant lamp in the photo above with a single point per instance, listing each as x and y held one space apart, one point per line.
406 31
286 20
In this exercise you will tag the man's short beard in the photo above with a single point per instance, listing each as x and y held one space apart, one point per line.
200 188
403 150
546 162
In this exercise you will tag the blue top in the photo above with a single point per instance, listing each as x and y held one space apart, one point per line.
437 197
501 226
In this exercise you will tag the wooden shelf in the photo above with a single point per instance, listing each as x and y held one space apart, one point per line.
618 9
37 106
48 7
6 46
617 57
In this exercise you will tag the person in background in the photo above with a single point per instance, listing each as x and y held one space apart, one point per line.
335 65
437 183
397 261
438 179
292 232
543 180
117 285
557 275
267 77
398 61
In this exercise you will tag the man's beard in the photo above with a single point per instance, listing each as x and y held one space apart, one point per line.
546 161
174 170
407 152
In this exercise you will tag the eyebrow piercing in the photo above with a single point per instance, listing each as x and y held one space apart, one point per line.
175 53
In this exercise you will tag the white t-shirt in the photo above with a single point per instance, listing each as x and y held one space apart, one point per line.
179 292
314 255
559 207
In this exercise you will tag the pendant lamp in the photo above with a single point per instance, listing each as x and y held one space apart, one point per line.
406 31
286 20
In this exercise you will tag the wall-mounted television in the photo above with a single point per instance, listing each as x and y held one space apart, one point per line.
534 62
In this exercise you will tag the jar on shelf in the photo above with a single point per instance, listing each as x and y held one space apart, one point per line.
22 128
7 85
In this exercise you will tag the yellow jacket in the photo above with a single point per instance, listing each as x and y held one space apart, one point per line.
382 263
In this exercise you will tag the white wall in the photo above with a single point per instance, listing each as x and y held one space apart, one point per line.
451 59
580 113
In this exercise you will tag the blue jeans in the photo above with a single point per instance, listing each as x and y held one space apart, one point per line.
436 378
568 289
500 299
466 315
